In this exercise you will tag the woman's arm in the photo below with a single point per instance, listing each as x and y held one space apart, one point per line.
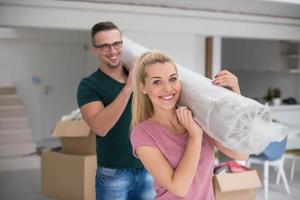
178 180
232 154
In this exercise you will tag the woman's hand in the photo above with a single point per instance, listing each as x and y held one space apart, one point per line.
176 180
185 117
228 80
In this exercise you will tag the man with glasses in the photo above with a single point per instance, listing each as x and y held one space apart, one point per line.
104 99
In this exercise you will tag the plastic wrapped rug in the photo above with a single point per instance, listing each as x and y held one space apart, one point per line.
237 122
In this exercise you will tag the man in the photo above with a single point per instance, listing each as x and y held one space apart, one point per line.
104 99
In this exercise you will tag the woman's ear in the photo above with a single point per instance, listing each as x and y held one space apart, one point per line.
142 88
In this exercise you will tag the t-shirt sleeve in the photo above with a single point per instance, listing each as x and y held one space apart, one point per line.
210 140
86 93
139 137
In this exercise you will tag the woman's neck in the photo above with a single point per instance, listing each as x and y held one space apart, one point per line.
168 119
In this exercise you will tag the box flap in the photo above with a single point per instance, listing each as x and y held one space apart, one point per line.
77 128
238 181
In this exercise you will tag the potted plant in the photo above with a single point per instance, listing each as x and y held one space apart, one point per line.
276 93
269 96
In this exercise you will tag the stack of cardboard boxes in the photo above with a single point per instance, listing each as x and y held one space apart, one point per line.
70 173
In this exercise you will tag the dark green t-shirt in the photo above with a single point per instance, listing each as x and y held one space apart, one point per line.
113 150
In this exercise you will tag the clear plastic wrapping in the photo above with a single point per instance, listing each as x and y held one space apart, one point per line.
237 122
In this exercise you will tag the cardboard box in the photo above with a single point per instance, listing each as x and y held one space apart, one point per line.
76 137
66 176
236 186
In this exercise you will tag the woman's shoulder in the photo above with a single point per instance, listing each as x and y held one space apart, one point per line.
142 133
149 128
144 126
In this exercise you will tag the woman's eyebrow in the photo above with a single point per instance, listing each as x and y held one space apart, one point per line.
156 77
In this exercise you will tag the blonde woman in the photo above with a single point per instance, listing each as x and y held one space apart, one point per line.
170 144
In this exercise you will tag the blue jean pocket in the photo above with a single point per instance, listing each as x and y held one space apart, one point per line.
103 173
122 184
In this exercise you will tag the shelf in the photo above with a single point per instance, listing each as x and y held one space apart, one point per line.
286 107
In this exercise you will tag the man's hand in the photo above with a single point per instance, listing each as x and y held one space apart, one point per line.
228 80
128 85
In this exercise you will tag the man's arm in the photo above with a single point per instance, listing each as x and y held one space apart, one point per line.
228 80
101 119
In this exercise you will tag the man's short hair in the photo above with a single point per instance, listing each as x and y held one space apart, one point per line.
102 26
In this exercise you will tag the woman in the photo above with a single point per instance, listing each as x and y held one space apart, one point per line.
170 144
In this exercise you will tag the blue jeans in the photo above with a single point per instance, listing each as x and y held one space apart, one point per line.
124 184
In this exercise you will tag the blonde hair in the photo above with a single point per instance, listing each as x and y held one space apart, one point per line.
142 107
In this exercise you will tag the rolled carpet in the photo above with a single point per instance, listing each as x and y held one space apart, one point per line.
237 122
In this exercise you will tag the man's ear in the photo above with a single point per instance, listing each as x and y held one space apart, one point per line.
93 50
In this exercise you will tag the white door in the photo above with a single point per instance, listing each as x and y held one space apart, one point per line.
63 66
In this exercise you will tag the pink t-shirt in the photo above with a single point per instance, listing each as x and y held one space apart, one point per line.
172 146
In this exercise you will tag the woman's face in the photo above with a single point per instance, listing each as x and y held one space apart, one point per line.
162 85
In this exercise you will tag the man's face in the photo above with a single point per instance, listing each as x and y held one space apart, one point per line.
108 47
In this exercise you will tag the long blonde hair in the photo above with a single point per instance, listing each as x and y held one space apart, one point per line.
142 107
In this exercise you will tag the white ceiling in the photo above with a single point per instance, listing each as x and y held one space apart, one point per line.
277 8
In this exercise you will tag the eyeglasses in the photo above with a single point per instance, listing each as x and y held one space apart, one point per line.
107 47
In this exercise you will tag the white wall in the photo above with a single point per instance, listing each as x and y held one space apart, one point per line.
258 64
63 66
19 61
185 49
178 32
40 52
23 54
92 62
